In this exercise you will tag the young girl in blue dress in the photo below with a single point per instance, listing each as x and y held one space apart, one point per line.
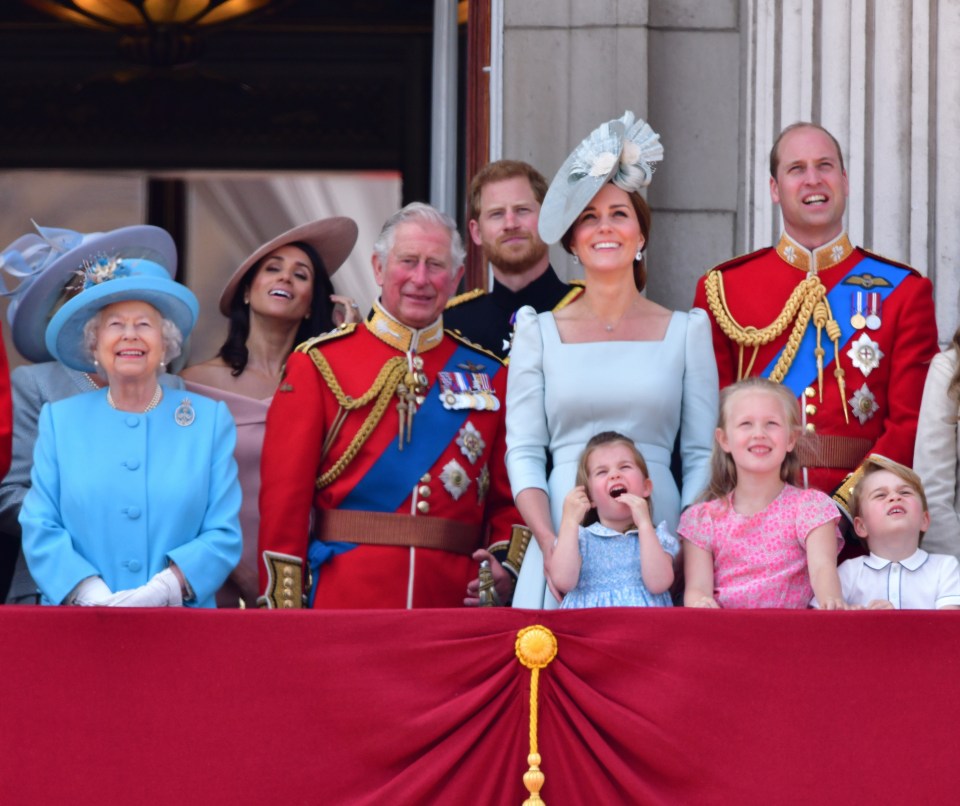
608 553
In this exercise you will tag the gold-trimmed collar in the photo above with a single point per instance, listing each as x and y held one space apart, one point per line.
400 336
823 257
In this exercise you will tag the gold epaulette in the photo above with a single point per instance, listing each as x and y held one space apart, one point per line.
341 330
456 335
739 259
466 296
576 289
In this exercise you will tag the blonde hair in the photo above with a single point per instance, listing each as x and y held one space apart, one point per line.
600 440
875 463
723 470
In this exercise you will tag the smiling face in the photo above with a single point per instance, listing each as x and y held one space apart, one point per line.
612 470
757 432
810 187
417 277
506 226
129 340
283 284
888 506
607 235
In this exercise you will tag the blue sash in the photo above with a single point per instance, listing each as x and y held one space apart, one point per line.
392 477
803 370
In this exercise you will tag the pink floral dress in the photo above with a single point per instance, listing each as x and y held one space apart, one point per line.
760 560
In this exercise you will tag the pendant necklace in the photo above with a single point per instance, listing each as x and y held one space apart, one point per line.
610 327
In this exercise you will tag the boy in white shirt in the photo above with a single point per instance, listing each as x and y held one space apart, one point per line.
890 513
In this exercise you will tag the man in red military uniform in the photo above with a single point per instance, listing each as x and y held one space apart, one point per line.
851 333
391 435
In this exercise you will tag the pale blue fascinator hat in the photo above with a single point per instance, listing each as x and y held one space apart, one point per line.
621 151
108 279
48 264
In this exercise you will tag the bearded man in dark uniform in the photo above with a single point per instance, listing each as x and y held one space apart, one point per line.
505 198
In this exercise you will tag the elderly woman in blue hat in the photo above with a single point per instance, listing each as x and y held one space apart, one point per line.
612 360
45 264
134 498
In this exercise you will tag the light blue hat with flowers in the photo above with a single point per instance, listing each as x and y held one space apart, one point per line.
109 279
621 151
47 267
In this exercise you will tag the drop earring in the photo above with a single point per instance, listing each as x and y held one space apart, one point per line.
639 256
576 259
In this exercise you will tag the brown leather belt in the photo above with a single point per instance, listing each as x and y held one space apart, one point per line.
390 529
827 450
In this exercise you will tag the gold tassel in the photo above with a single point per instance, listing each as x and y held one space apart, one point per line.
535 647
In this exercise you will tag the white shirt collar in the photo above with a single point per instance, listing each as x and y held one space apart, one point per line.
911 563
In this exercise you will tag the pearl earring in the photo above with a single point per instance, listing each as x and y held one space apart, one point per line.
575 258
639 256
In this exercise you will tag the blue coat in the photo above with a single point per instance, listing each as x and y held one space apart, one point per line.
120 495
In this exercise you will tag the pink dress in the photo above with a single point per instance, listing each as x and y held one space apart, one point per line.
761 560
250 416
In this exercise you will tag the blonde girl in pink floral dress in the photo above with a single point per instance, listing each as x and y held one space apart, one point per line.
756 540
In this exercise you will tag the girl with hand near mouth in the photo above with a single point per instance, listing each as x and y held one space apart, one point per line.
756 540
608 552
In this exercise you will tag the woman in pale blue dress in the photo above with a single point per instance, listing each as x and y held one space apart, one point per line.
611 359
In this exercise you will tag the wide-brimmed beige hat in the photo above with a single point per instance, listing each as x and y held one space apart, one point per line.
332 238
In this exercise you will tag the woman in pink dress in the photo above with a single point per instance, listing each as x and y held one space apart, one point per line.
757 540
279 296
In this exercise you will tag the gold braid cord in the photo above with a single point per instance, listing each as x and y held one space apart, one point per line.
807 301
536 646
382 390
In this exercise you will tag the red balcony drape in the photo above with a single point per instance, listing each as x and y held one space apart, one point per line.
386 707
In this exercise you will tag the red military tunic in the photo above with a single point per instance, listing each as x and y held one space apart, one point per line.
883 377
452 468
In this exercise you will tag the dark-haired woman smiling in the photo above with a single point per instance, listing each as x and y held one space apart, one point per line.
278 297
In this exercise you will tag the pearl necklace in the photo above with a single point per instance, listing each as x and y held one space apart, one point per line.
154 401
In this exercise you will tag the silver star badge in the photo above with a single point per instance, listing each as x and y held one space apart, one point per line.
863 404
865 354
455 479
471 442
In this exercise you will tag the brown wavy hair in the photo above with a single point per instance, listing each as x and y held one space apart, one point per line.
645 217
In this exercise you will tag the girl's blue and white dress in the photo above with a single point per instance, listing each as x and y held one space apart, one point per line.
610 569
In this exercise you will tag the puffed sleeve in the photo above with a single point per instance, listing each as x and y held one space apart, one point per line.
935 456
696 525
47 546
27 400
699 407
527 434
208 559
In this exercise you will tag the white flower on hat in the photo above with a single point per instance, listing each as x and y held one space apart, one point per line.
602 164
621 151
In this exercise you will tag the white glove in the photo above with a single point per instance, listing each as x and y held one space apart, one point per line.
161 591
91 591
